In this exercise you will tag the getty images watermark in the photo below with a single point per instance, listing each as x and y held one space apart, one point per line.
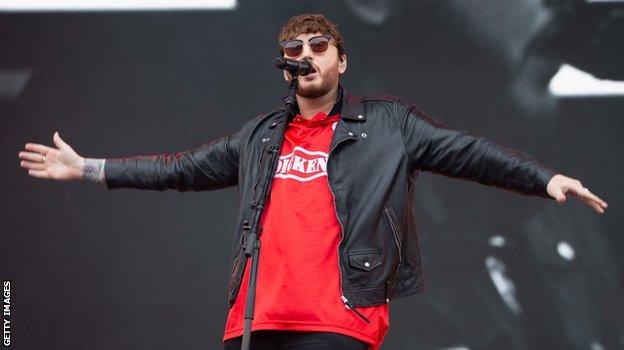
6 313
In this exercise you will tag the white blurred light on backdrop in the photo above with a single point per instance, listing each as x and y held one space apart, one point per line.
570 81
108 5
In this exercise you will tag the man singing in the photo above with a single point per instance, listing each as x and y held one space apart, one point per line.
338 233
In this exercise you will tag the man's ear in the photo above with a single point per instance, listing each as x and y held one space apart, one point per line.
342 65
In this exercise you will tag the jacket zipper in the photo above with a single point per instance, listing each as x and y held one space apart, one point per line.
351 307
234 267
344 299
234 293
236 286
395 233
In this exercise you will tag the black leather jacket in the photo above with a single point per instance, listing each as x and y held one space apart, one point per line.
379 146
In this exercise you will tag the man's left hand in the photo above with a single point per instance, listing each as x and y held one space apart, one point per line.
560 185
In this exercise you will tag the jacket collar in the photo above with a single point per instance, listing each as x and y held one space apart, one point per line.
351 107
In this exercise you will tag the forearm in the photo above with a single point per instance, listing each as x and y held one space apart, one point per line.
152 172
474 158
207 167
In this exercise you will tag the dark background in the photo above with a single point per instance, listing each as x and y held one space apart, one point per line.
129 269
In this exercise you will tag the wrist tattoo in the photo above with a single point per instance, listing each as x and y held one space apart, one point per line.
94 169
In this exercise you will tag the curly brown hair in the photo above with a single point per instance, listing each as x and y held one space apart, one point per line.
310 23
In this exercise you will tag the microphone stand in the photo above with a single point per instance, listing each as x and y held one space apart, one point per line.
252 247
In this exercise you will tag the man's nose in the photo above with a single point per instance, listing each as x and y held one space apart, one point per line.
307 52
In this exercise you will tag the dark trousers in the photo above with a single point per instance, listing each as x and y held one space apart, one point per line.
296 340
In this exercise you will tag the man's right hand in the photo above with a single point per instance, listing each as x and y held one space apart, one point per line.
61 163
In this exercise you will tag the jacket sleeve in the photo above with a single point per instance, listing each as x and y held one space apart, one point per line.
435 147
211 166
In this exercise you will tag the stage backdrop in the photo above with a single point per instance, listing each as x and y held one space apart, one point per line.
127 269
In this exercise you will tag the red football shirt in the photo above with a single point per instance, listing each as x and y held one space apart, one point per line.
298 282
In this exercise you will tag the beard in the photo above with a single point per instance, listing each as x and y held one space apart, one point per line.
328 79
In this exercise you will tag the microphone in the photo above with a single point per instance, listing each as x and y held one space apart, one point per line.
294 67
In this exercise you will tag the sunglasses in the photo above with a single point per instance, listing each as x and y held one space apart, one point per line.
318 44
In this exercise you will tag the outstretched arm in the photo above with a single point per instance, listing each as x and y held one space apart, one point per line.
212 165
433 146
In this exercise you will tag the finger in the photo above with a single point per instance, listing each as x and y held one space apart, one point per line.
585 193
597 208
35 157
59 142
559 195
31 165
39 173
600 201
591 202
35 147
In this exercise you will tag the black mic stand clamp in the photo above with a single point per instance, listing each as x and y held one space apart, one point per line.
252 247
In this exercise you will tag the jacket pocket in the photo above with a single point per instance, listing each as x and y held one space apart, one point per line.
365 259
395 232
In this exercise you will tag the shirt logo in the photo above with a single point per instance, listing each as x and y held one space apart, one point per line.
302 165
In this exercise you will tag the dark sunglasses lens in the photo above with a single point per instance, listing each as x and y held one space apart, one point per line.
319 44
293 48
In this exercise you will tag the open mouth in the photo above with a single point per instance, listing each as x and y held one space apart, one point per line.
314 69
313 73
310 76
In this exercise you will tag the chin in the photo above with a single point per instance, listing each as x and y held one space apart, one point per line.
312 89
